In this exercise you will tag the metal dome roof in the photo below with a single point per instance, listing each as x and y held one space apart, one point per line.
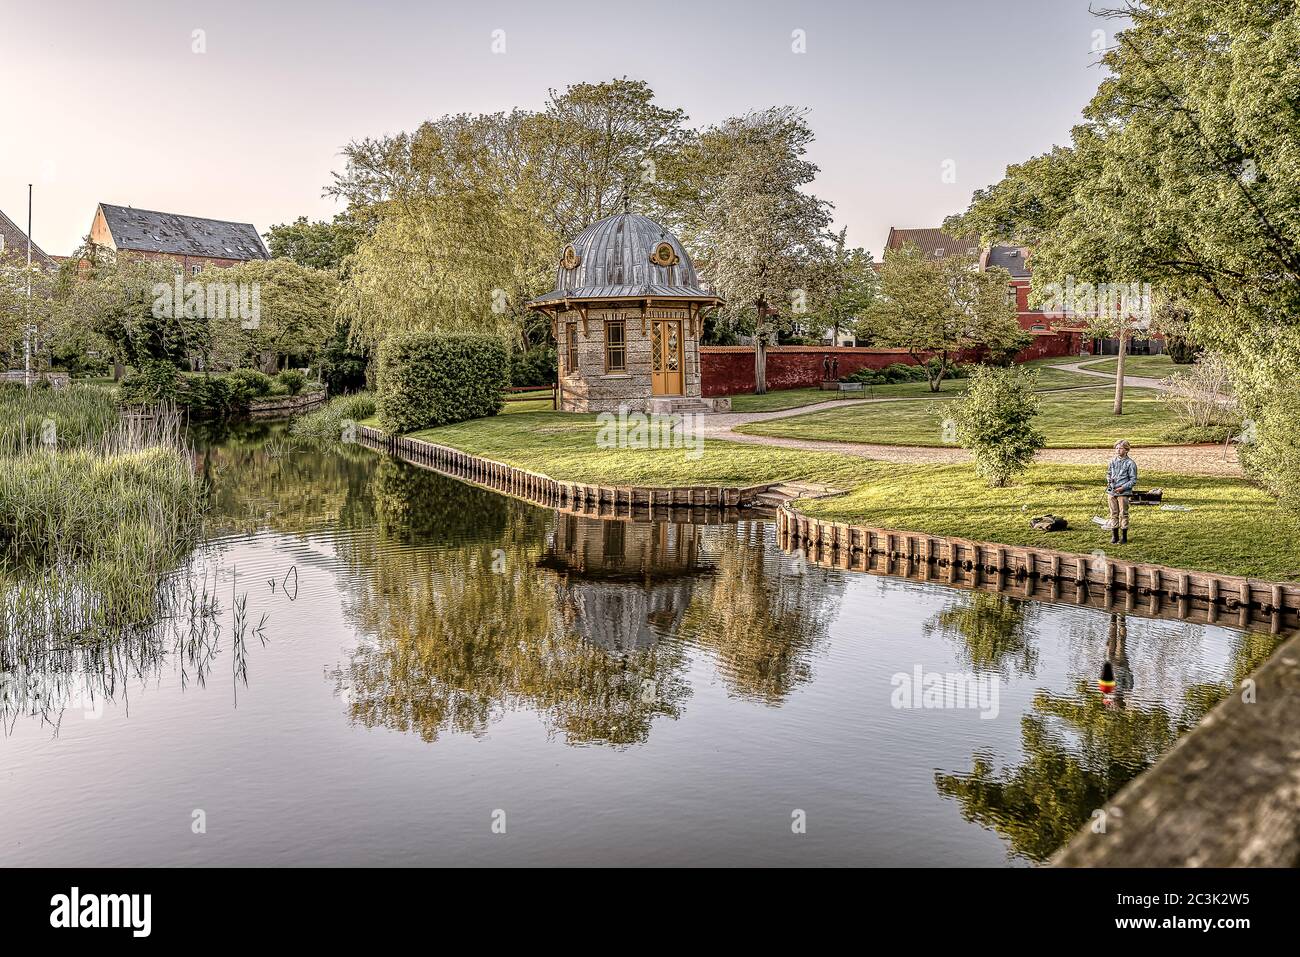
623 257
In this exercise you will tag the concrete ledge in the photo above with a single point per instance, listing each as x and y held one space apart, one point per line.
1226 795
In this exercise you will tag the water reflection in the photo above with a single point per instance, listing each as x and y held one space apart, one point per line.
444 613
1082 746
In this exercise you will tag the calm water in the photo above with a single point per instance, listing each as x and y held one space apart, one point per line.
399 660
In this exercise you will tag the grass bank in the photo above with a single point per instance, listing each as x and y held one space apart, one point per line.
1074 419
1232 528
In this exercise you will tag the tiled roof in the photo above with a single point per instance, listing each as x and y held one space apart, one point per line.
14 242
1014 259
933 242
613 262
145 230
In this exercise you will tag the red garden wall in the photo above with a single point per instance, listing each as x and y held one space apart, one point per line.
729 370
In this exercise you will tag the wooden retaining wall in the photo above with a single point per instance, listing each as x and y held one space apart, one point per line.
1107 583
699 503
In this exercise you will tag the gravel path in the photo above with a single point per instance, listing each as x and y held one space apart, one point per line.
1186 459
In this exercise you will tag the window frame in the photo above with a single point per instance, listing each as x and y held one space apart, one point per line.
620 347
571 349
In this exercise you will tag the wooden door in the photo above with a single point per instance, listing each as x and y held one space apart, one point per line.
667 357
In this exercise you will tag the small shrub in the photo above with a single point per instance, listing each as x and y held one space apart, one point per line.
292 380
1182 350
994 419
252 382
534 367
1201 399
428 379
212 397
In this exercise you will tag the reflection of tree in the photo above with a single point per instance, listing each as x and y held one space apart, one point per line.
451 644
1042 802
762 616
259 476
415 505
993 632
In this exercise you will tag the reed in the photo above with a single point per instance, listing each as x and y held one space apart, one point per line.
75 417
88 534
331 419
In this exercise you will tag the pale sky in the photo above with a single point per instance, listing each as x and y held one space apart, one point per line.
106 101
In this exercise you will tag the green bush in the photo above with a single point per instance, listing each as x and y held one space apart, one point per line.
1181 350
292 380
157 380
428 379
534 367
994 419
212 397
251 382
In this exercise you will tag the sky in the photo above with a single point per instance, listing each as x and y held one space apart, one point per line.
125 103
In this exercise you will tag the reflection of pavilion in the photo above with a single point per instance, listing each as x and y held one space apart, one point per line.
623 584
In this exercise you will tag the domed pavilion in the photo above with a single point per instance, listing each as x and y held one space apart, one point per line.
626 312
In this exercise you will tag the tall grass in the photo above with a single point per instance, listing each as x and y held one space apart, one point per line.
88 534
330 420
74 417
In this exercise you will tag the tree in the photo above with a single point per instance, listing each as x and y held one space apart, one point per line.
846 285
117 299
939 308
28 315
595 145
737 192
1184 178
294 314
317 245
995 421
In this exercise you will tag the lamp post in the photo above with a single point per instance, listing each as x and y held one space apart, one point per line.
27 328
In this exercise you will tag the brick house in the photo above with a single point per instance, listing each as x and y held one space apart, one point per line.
13 246
191 242
1014 259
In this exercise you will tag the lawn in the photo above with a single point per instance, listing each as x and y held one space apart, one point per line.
1073 419
1049 377
1233 527
1153 367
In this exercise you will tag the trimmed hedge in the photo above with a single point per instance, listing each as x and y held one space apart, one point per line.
427 379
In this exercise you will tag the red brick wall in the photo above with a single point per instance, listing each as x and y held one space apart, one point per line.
729 370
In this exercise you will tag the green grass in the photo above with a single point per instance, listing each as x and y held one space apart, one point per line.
1073 419
78 416
563 445
1153 367
1233 528
1049 377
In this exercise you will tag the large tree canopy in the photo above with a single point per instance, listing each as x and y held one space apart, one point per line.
1185 176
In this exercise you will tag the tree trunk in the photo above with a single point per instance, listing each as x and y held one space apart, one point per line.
1119 369
760 366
